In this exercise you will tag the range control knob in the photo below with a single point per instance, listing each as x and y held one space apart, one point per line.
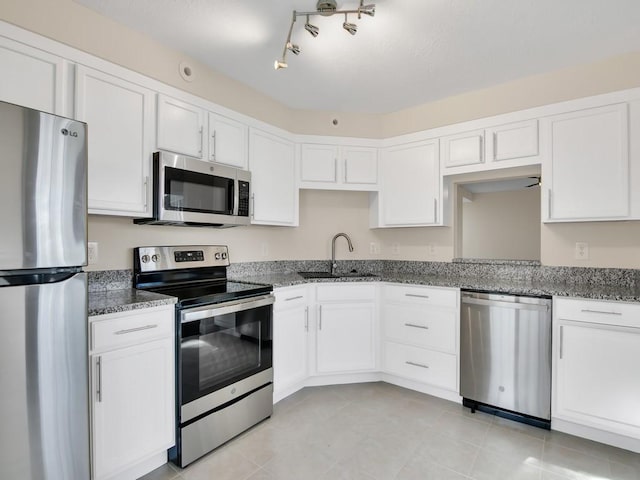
217 256
224 255
145 259
155 258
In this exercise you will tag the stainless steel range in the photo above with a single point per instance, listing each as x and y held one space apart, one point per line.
224 370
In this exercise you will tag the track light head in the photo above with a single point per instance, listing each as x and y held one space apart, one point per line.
367 10
295 49
312 29
277 65
352 28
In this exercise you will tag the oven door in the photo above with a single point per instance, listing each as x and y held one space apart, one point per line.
194 191
220 345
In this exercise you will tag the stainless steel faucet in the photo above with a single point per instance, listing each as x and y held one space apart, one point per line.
333 249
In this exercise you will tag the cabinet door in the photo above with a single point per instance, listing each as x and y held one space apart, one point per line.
586 172
410 184
597 376
31 77
319 163
273 182
360 165
227 141
290 331
515 140
133 405
120 119
180 127
345 338
463 149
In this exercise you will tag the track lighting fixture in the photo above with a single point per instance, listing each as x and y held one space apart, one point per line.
326 8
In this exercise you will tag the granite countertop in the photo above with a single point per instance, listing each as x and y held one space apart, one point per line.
112 301
109 292
509 286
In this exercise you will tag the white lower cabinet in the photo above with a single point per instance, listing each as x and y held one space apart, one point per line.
290 340
132 398
346 328
596 381
345 338
420 328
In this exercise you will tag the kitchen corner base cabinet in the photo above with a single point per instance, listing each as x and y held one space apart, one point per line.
596 383
132 391
346 328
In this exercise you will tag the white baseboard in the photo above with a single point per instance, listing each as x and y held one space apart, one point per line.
595 434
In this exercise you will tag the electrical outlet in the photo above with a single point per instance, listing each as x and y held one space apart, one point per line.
92 253
265 249
395 248
431 249
374 248
582 251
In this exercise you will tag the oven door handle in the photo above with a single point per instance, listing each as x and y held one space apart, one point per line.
206 311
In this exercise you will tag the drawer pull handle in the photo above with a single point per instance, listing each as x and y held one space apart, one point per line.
421 365
414 325
415 295
137 329
293 298
600 311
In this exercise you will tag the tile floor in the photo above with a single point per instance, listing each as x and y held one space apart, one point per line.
379 431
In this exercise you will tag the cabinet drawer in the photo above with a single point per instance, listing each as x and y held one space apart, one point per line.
442 297
344 291
290 297
121 329
603 312
419 364
421 326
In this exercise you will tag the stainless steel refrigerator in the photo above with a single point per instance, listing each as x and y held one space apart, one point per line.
44 408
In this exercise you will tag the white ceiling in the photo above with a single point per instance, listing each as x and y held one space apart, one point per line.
411 52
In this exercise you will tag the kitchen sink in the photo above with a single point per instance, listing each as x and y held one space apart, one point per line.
317 275
339 275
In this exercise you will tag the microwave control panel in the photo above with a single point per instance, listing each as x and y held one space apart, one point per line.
243 196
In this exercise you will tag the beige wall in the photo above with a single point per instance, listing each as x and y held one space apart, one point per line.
502 225
324 213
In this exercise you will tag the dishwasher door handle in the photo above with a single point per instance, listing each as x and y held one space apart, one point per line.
498 303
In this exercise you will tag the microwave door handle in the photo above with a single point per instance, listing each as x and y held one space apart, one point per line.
236 197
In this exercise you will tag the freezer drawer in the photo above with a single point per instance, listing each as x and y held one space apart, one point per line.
505 352
44 372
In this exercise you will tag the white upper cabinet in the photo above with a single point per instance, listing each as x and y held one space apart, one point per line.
410 187
514 140
274 197
463 149
228 141
586 165
332 167
180 127
32 77
120 116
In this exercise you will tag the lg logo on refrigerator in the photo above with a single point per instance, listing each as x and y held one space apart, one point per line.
67 132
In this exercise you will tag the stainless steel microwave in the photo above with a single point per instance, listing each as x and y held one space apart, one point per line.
192 192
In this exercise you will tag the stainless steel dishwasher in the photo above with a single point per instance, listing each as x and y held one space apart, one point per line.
505 355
